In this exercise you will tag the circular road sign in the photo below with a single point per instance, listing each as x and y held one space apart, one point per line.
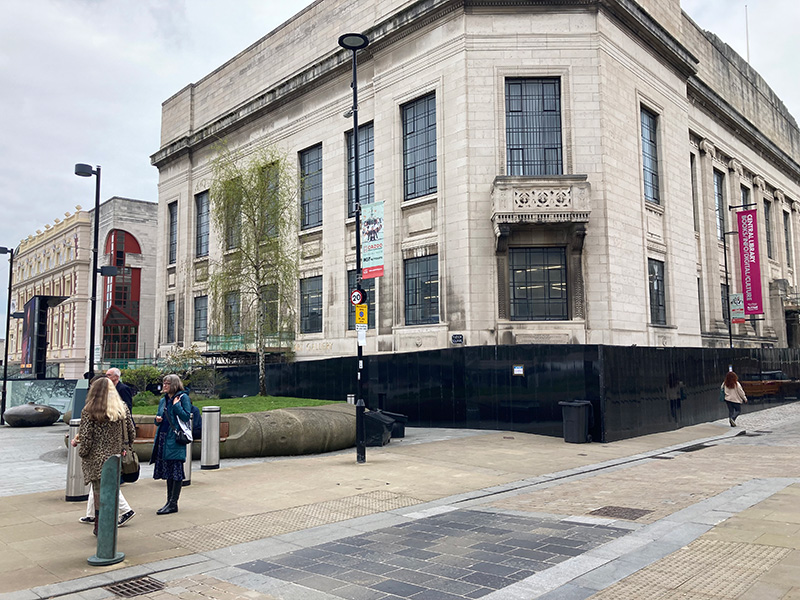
356 297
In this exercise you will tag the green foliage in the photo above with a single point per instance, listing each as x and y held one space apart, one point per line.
141 377
254 211
208 381
243 405
145 399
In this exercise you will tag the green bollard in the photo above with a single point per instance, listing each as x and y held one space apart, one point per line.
107 520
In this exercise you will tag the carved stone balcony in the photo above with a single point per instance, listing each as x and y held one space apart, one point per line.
551 199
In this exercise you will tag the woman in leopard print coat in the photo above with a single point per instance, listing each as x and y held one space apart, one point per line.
100 434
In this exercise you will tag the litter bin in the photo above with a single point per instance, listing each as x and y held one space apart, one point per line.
576 415
378 428
399 425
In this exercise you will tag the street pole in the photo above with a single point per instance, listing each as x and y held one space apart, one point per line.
83 170
354 42
10 252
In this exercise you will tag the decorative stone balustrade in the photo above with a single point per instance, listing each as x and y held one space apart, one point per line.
541 199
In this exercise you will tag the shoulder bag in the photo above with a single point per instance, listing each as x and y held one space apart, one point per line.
183 433
722 393
130 460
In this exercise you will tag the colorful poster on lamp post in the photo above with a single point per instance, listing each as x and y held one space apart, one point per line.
372 240
750 264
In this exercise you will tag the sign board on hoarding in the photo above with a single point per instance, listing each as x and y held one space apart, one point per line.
372 240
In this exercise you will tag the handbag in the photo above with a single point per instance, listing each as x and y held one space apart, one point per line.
130 460
722 393
183 433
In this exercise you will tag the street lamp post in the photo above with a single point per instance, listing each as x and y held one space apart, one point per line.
355 42
10 252
82 170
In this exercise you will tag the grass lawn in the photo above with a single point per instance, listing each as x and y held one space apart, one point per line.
243 405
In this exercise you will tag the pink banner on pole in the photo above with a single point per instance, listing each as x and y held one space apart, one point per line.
750 263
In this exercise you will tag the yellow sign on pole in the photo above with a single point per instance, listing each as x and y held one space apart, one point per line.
361 314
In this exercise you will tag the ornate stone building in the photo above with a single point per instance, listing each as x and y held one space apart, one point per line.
58 262
551 172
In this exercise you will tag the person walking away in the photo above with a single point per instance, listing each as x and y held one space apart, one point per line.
100 434
734 396
124 391
168 455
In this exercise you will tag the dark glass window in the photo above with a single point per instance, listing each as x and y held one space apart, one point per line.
311 305
368 285
538 284
533 126
173 232
768 227
366 168
170 321
787 237
232 321
650 156
695 202
201 318
201 224
726 304
422 290
311 195
419 147
658 296
719 202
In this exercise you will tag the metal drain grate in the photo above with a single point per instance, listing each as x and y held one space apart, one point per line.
134 587
620 512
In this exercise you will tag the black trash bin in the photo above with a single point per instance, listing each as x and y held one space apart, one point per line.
576 416
399 425
377 428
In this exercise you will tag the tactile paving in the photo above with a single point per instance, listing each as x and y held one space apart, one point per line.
202 538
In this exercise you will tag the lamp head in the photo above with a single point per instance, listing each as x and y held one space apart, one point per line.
4 250
82 170
353 41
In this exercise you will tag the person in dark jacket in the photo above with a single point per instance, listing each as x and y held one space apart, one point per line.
168 454
123 390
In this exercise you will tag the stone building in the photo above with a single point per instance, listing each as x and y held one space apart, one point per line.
551 172
58 262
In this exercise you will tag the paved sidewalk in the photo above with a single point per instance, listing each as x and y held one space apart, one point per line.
694 513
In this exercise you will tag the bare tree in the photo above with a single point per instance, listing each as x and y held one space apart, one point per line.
253 280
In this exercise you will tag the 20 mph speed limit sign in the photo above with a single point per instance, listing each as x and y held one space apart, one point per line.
357 297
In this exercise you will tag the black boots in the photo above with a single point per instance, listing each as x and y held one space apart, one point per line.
96 519
173 493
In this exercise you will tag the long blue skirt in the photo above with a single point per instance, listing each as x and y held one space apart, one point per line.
166 469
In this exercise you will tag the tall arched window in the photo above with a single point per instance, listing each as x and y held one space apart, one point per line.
121 298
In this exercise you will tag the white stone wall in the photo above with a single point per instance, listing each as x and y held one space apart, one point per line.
608 72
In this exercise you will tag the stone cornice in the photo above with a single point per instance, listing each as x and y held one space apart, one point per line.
401 24
731 119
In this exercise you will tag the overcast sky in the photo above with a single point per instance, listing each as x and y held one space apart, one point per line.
83 81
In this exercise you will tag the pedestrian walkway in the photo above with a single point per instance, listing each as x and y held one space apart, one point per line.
696 513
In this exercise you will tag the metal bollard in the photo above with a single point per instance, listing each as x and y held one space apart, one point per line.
107 520
209 442
187 465
77 491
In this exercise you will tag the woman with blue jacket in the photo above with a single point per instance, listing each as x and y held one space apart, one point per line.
168 454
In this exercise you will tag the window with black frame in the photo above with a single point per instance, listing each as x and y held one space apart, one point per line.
200 318
311 305
719 203
311 189
658 296
366 168
231 315
173 232
538 284
422 290
726 302
201 224
368 285
650 156
170 321
533 126
419 147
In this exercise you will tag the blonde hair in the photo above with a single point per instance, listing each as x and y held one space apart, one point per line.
103 403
